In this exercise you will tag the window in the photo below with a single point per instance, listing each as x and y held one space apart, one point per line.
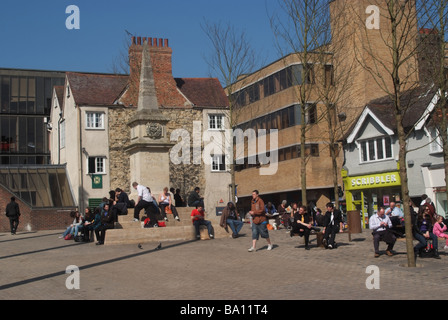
97 165
329 75
435 145
218 163
376 149
215 122
95 120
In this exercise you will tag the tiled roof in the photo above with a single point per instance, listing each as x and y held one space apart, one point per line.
104 89
203 92
414 102
96 89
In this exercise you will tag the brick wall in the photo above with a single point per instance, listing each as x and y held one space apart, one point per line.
33 220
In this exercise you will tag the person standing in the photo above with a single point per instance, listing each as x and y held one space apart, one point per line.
333 224
259 221
13 213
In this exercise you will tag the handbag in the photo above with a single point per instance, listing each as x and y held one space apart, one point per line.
69 236
168 210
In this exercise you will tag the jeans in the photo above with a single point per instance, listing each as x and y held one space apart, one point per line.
235 225
200 222
260 230
422 241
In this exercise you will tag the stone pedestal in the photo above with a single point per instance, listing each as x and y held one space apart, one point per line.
149 151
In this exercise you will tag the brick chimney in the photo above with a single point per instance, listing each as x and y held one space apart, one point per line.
161 61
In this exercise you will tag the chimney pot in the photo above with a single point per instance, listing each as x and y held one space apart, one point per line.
166 43
160 42
139 40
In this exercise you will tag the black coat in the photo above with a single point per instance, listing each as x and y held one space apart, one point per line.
12 210
337 218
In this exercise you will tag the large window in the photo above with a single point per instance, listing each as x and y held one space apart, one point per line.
95 120
282 119
376 149
42 186
281 80
25 104
283 154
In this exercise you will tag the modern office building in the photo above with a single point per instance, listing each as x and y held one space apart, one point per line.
25 100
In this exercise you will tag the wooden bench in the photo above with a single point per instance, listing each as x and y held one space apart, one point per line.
320 236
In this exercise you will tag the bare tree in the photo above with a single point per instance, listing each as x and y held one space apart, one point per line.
301 28
395 72
333 84
232 59
436 12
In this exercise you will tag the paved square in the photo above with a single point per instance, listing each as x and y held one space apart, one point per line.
34 267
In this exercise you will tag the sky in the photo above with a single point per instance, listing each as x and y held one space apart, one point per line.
33 33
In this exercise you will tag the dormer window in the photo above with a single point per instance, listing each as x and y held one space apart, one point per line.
377 149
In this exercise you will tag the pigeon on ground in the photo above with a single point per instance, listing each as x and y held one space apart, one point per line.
159 246
140 246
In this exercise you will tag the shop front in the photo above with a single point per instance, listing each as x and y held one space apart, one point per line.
367 193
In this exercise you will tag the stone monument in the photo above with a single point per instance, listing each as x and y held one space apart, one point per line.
149 146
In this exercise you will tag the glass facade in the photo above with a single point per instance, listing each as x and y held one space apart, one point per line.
25 102
39 186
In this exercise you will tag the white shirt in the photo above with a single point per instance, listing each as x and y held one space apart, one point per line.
144 193
375 221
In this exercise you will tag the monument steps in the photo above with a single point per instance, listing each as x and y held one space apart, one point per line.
129 232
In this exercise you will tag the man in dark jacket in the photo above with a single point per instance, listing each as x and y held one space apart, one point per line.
333 223
107 222
13 213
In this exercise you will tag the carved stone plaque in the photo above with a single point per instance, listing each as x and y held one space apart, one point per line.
154 131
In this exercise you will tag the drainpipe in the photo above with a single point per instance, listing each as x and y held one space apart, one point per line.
59 137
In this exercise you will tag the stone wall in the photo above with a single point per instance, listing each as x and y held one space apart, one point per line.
120 135
183 176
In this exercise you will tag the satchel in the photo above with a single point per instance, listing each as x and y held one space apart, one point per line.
168 210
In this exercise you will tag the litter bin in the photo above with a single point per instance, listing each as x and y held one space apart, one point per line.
354 222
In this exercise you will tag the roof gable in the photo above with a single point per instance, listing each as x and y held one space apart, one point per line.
203 92
419 104
96 89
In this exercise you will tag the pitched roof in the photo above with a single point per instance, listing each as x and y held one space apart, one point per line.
417 104
59 90
96 89
203 92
